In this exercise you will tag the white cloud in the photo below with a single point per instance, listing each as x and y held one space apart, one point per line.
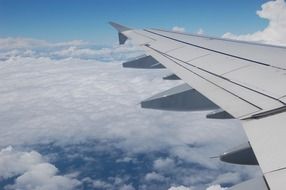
164 164
213 187
153 176
12 43
127 187
13 163
109 183
23 47
216 187
103 53
274 33
229 177
200 31
178 29
32 172
101 184
125 159
18 43
180 188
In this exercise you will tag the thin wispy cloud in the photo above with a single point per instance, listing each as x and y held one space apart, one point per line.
200 31
178 29
19 43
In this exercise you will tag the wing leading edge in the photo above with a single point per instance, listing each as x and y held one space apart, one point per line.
244 79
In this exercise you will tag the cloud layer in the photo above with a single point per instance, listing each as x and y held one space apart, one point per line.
275 13
77 95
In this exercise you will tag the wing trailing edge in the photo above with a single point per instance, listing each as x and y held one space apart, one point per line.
253 184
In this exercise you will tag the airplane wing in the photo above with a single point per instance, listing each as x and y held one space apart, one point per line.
247 80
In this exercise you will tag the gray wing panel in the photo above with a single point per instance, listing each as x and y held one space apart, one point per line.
265 54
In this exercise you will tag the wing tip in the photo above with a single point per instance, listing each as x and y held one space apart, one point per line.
119 27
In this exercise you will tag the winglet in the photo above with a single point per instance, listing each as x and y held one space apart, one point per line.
119 27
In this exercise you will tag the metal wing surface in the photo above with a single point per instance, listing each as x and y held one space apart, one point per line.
245 79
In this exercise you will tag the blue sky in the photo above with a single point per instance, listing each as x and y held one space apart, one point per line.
87 20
